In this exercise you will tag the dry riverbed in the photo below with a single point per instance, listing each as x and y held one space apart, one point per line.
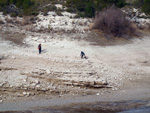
113 71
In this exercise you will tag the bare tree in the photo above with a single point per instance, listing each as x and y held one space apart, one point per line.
112 21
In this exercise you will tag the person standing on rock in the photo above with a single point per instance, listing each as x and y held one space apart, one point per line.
40 48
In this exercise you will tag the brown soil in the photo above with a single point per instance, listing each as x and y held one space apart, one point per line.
14 37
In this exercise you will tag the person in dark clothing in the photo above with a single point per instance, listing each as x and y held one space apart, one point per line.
40 48
82 55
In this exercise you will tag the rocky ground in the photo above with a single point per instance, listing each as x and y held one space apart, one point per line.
59 71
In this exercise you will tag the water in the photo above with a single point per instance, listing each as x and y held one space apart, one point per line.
139 110
76 106
135 106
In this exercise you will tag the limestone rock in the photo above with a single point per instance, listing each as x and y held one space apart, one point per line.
48 71
97 94
1 101
24 93
1 84
13 57
37 82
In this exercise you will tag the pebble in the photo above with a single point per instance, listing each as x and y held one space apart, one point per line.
13 57
38 86
1 101
130 78
33 84
48 71
37 82
97 94
28 94
20 95
1 84
24 93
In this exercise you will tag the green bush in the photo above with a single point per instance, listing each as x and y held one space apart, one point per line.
20 14
143 4
89 7
89 10
13 14
138 3
46 9
80 14
71 10
146 6
23 5
35 13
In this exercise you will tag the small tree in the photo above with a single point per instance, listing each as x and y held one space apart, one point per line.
90 10
112 21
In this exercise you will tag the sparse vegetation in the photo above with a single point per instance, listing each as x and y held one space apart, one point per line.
89 7
146 6
19 6
143 4
112 21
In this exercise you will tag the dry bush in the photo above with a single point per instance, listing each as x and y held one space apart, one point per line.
113 22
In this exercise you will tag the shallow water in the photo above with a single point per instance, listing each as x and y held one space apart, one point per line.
138 110
138 106
135 106
76 105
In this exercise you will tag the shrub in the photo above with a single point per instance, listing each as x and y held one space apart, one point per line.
143 4
146 6
35 13
80 14
13 15
46 9
90 6
23 5
20 14
71 10
112 21
138 3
